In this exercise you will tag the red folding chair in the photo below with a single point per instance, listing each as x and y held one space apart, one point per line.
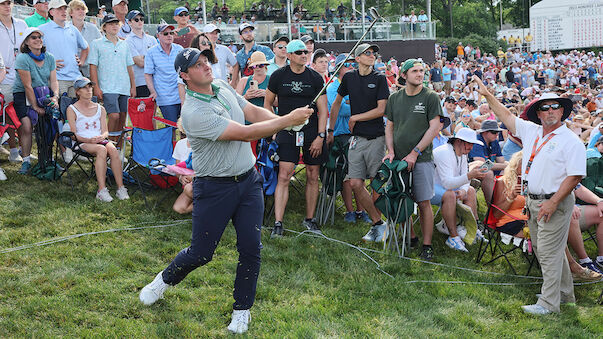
8 111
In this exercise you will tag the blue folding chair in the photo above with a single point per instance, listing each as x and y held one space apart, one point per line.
151 153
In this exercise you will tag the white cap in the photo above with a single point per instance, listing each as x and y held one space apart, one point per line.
210 28
56 4
117 2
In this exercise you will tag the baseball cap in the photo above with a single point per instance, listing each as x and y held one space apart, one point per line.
450 99
210 28
410 63
245 25
117 2
188 57
282 38
363 47
306 38
341 58
56 4
162 28
109 18
179 10
81 83
133 13
296 45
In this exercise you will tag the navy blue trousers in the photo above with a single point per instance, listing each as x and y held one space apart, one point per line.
214 204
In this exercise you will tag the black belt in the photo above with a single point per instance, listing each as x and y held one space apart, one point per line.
235 178
540 196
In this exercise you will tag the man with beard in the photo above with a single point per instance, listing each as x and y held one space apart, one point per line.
246 31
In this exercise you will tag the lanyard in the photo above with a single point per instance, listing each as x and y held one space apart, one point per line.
536 151
205 97
14 39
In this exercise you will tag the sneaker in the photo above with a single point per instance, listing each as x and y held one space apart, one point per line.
362 215
480 236
349 217
383 233
153 291
414 242
427 253
277 230
535 309
592 266
311 225
600 264
25 167
456 243
2 175
586 275
441 227
240 321
103 195
15 157
122 193
372 234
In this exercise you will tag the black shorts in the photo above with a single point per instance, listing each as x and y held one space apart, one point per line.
288 152
142 91
512 227
20 104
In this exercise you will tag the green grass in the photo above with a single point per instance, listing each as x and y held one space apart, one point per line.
308 287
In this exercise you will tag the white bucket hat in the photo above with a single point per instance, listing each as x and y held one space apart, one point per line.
468 135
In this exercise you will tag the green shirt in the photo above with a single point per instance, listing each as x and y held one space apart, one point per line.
411 116
36 20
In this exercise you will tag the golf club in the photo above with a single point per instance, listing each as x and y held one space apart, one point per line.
375 15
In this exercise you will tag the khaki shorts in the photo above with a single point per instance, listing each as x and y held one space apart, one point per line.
448 85
364 158
66 86
7 91
437 86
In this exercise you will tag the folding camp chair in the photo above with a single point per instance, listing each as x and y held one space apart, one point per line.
393 183
594 182
9 116
502 245
267 165
151 153
332 174
141 112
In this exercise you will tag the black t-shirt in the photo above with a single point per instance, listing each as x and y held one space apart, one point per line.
296 90
364 92
510 76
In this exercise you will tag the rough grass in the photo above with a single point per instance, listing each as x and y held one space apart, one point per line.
308 287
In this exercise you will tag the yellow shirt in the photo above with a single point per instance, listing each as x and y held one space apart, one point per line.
528 38
501 54
511 40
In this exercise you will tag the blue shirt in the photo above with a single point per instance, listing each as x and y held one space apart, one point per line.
242 57
592 153
112 62
64 43
343 117
165 78
439 140
593 140
139 47
446 73
491 151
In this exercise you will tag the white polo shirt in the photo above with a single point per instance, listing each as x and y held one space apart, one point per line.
564 155
11 39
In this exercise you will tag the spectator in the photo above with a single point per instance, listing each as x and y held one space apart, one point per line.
185 31
36 68
597 150
120 9
160 76
112 74
436 76
77 10
320 63
489 149
225 56
40 16
460 51
12 38
452 181
295 86
66 44
139 43
88 121
280 55
102 11
253 87
584 217
246 31
446 74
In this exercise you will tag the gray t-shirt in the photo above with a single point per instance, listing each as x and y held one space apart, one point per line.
204 119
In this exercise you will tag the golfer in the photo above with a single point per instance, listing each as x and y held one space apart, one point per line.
226 185
553 163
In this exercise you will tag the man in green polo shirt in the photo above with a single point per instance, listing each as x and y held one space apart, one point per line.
40 16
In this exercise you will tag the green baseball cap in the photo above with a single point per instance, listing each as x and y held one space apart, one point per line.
410 63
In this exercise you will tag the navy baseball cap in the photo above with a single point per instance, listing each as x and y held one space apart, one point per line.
162 28
134 13
189 56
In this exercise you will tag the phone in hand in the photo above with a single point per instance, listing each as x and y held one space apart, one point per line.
253 84
103 142
184 31
487 165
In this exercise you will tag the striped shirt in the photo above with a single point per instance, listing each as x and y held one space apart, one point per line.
165 79
112 61
140 46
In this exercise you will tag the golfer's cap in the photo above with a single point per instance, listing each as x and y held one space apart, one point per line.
282 38
341 58
363 47
245 25
179 10
306 38
296 45
134 13
210 28
56 4
188 57
81 82
410 63
109 18
117 2
162 28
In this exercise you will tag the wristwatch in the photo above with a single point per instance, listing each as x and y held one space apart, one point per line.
322 135
416 149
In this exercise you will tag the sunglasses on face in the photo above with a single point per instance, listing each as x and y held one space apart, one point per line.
137 19
35 37
466 116
258 66
183 14
494 132
349 64
168 33
204 43
545 108
369 53
281 46
301 52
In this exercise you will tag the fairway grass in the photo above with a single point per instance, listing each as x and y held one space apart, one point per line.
308 287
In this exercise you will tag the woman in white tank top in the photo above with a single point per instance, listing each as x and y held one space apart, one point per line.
88 121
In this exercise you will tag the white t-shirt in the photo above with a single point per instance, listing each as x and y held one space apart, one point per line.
181 150
451 170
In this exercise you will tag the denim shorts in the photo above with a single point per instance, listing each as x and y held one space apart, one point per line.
115 103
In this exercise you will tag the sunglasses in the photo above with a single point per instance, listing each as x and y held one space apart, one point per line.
545 108
281 46
350 64
137 19
466 116
204 43
369 53
301 52
183 14
168 33
258 66
494 132
35 37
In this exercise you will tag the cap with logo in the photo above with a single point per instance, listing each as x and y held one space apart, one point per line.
296 45
282 38
306 38
108 18
162 28
245 25
189 56
179 10
134 13
210 28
